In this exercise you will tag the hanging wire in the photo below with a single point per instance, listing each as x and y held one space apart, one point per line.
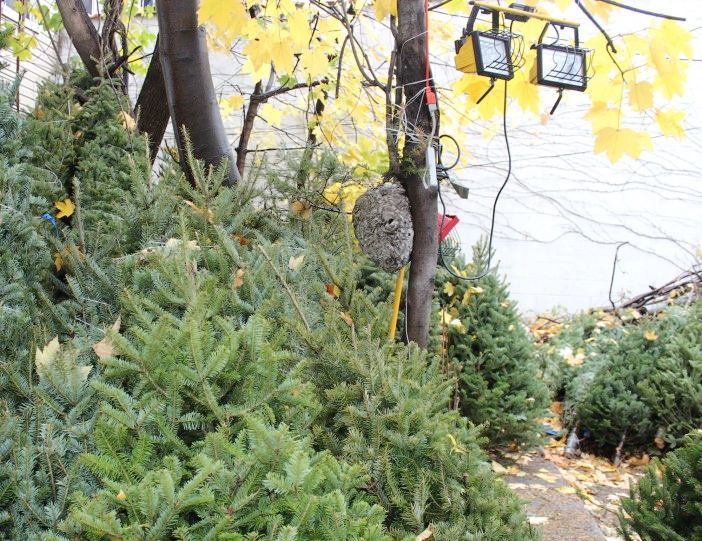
494 204
643 11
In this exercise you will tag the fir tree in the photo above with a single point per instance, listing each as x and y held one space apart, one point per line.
247 391
614 395
666 504
674 389
488 346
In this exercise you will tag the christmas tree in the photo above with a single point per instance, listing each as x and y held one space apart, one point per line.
492 353
181 364
666 504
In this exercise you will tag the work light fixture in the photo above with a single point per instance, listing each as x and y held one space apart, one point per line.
487 53
559 65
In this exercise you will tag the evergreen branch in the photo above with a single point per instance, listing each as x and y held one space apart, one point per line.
285 285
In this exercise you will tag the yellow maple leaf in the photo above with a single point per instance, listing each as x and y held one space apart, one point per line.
454 6
281 54
300 29
333 290
473 290
314 63
271 114
449 289
651 335
599 9
43 358
231 103
641 96
347 318
204 213
58 261
331 193
66 208
296 262
105 347
602 116
670 123
621 142
383 8
126 120
527 94
226 19
301 210
455 446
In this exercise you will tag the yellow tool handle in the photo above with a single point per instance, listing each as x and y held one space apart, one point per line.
396 303
534 15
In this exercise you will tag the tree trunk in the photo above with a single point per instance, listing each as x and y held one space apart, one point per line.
411 46
247 127
152 105
191 97
83 34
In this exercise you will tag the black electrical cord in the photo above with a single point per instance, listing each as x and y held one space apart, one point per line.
458 152
494 204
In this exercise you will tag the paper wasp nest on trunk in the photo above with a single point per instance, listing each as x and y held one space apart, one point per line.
383 225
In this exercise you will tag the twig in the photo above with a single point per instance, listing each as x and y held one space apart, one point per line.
643 11
589 15
614 270
618 455
281 278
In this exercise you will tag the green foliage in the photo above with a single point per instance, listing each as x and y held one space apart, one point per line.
560 354
206 382
640 381
674 390
492 353
666 504
44 439
260 483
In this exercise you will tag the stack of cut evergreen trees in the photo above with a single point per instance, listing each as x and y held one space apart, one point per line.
178 364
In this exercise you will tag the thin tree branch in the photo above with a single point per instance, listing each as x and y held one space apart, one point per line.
281 278
641 11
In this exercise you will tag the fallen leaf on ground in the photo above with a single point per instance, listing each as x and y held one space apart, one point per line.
498 468
548 477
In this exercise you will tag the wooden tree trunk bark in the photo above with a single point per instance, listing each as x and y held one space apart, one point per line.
411 46
152 104
83 34
191 97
